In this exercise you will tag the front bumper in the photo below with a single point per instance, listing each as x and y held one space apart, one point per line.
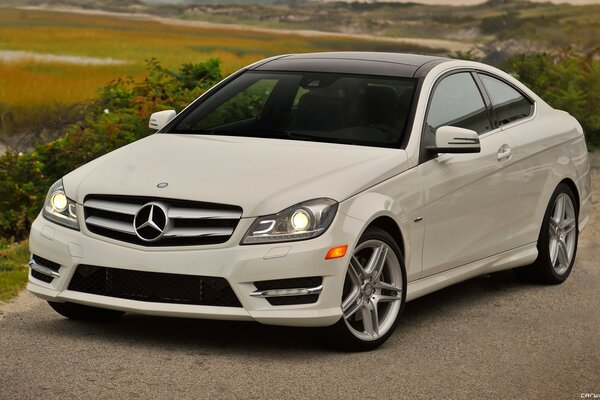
241 266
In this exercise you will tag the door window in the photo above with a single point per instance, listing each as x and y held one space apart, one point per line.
458 102
509 105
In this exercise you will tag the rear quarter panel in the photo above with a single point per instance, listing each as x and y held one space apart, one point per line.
549 149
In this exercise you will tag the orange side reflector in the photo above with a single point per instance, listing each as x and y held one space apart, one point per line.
336 252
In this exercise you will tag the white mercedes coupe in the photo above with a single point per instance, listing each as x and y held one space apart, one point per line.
320 190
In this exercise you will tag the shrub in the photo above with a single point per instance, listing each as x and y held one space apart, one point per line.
118 116
566 81
500 23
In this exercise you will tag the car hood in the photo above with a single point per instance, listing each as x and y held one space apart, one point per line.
262 176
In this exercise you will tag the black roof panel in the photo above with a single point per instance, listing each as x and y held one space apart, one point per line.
368 63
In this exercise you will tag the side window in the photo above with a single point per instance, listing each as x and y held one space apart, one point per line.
457 102
509 104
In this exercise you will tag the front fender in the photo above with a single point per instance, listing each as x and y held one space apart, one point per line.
399 200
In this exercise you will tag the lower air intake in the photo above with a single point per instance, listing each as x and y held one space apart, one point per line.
45 263
291 283
154 287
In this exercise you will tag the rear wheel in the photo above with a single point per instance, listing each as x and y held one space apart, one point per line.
557 243
374 293
81 312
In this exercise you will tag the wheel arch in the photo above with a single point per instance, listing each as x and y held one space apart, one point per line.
393 215
562 171
390 226
571 184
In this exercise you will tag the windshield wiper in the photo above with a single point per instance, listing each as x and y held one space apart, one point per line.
269 134
328 139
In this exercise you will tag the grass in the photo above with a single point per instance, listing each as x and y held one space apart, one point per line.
31 84
13 269
133 41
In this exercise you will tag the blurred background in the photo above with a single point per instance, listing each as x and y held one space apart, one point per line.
79 78
55 55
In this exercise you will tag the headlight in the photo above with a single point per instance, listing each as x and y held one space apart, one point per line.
59 208
302 221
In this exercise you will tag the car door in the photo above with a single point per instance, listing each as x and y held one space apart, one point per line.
469 198
514 111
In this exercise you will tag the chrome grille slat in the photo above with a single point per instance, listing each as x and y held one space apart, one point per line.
190 213
112 206
111 224
187 222
193 232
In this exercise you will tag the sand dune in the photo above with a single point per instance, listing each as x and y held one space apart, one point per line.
18 55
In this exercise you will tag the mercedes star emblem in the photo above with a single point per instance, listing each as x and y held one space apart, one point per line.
150 222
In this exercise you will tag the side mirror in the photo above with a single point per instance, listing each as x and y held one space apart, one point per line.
450 139
158 120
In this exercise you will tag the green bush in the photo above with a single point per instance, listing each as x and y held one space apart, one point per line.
118 116
566 81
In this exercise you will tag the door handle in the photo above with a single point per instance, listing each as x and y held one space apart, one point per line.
504 152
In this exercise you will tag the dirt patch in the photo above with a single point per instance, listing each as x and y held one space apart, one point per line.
23 302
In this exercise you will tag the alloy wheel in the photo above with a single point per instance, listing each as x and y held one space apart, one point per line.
372 296
563 233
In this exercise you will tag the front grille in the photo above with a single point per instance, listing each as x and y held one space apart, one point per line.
153 286
291 283
187 223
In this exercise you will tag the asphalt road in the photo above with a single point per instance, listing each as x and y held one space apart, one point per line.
487 338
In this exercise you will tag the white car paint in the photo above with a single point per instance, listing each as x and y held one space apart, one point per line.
460 215
265 175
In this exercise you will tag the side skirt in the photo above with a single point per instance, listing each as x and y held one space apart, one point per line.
520 256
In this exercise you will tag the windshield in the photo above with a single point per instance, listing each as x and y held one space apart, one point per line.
323 107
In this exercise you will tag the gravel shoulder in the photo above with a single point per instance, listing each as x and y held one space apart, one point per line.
489 337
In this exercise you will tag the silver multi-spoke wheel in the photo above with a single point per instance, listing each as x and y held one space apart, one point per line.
563 233
557 242
372 297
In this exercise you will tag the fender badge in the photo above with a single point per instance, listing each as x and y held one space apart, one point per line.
162 185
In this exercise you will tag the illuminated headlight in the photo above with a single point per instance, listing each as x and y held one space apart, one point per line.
59 208
303 221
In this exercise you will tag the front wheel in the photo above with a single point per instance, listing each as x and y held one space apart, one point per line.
557 243
374 293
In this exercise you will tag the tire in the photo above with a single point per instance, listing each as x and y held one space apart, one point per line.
368 286
84 313
557 242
